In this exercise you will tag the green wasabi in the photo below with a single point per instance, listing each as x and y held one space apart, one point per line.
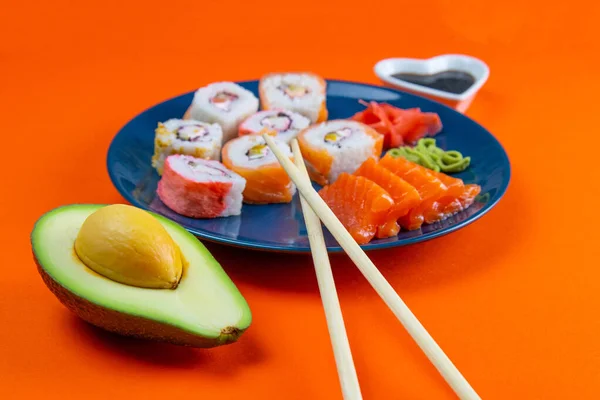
427 154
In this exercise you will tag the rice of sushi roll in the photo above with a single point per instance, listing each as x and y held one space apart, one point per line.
224 103
286 123
337 146
189 137
199 188
266 180
301 92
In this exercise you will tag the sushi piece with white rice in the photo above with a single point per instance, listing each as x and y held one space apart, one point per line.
189 137
286 123
337 146
199 188
224 103
301 92
266 180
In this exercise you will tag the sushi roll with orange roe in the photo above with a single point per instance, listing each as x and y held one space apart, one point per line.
301 92
333 147
266 180
459 197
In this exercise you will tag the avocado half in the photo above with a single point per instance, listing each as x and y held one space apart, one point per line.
205 309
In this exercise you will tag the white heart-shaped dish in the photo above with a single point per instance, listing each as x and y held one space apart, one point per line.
384 69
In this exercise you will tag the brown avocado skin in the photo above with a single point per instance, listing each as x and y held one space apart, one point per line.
129 325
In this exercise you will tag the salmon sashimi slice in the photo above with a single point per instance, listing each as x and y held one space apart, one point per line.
456 188
470 193
405 196
429 187
422 179
462 202
458 198
388 229
360 204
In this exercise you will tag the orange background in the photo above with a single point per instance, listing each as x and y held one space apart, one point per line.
513 299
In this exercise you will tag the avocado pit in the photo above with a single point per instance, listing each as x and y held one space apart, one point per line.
129 246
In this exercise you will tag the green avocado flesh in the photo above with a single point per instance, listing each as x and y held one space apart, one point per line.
205 310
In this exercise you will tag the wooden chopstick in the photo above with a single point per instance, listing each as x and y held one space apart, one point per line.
410 322
331 304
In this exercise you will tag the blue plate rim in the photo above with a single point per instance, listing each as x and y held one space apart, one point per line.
246 244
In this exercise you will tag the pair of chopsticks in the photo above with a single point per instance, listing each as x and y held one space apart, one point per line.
315 211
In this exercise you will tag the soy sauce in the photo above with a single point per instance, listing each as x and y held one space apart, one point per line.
452 81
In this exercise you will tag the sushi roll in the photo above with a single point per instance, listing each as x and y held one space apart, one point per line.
286 123
302 92
189 137
266 180
224 103
337 146
199 188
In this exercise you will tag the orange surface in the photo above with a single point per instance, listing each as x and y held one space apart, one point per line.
513 299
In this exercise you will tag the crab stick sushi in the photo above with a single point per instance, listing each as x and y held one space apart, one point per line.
199 188
405 196
337 146
188 137
266 180
360 204
302 92
286 123
224 103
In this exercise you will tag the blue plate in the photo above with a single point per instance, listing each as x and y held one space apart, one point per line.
280 227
